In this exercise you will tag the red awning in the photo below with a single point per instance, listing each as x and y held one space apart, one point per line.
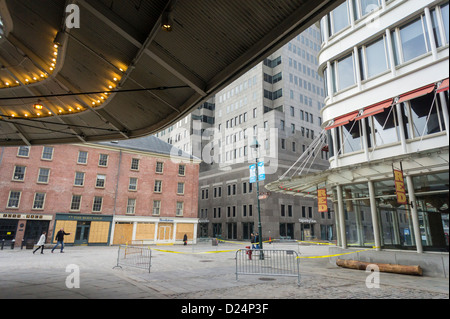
416 93
443 87
342 120
375 109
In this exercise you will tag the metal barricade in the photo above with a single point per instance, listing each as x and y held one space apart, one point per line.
268 262
134 256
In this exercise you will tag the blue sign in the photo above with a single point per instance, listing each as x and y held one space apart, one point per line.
261 171
252 173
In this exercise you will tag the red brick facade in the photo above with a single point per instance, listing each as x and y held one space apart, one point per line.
63 183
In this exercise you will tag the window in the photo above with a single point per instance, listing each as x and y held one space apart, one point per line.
131 205
19 173
100 181
179 211
43 176
159 167
158 187
132 185
289 210
293 128
135 164
180 188
374 59
181 170
47 153
103 160
364 7
156 207
82 157
283 212
445 19
39 199
76 202
14 199
97 205
23 151
79 179
339 19
413 39
351 137
345 72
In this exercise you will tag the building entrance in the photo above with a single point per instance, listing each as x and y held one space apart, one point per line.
82 234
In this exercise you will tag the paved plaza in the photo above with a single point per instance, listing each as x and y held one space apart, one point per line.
194 272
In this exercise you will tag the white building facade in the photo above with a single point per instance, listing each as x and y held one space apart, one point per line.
386 66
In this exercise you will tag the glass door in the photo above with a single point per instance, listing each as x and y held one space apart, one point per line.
82 234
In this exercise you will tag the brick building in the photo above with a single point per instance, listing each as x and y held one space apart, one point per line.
101 193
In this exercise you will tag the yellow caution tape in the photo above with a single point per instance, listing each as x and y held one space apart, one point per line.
198 253
314 242
335 255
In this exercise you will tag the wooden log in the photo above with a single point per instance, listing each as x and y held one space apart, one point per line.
391 268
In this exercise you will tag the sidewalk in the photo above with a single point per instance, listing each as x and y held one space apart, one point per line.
192 273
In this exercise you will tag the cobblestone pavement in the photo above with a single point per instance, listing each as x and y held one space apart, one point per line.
193 273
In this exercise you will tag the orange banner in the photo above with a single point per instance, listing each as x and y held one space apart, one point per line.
322 198
400 187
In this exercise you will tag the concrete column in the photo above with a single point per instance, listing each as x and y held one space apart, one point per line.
374 213
401 127
431 33
341 217
445 112
414 215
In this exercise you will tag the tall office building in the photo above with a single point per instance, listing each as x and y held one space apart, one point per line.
386 65
278 102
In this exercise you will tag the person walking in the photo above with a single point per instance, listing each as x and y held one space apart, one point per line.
41 243
60 239
185 239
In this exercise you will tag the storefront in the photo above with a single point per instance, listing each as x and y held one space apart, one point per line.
22 227
153 230
83 229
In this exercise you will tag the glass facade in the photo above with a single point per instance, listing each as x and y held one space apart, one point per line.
395 220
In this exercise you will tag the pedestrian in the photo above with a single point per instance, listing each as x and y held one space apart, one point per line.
60 239
257 240
185 239
41 243
252 240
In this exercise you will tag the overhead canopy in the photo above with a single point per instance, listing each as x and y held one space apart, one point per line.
115 74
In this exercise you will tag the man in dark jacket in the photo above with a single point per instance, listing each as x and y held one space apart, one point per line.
60 239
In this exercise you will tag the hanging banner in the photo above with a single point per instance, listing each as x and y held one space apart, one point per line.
252 173
400 187
261 171
322 200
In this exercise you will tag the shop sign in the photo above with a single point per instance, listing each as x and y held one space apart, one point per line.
307 221
25 216
322 200
400 187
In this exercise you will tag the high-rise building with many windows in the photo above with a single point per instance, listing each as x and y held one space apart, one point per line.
278 102
386 66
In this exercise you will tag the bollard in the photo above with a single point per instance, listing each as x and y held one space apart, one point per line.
3 243
12 243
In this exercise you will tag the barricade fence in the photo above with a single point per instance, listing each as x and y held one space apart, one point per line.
267 262
134 256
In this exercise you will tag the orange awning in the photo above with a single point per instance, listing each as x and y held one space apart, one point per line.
443 87
416 93
342 120
375 109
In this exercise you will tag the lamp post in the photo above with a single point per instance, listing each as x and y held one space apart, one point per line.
255 145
